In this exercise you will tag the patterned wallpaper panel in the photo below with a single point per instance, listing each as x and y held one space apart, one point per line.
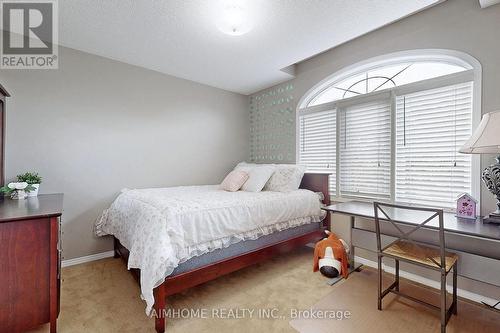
272 125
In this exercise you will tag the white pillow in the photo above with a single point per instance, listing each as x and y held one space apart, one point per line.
286 178
257 177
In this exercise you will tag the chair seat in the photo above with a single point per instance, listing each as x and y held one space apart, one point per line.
420 253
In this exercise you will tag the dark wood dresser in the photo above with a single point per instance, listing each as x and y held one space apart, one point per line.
30 262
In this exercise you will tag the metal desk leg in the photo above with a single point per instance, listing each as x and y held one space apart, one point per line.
352 264
351 252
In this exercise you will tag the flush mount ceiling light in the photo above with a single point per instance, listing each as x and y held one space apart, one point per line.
234 21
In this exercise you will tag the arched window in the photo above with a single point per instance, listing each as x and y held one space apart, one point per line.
384 77
390 128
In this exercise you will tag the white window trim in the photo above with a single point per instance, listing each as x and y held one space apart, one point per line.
474 73
435 55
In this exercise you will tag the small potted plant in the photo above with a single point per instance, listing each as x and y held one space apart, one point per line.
33 179
18 190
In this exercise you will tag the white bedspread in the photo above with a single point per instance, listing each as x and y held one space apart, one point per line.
164 227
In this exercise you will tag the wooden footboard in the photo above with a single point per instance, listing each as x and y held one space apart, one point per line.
189 279
317 182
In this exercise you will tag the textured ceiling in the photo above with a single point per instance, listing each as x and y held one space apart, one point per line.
180 38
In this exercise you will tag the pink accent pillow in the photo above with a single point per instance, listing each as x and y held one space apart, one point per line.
234 180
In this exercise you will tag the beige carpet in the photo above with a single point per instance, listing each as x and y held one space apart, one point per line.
102 296
358 295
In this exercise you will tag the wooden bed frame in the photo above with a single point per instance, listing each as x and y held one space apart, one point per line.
317 182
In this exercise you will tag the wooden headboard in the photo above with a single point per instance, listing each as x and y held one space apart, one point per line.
318 182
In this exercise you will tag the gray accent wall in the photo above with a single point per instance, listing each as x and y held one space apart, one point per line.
272 134
95 126
454 24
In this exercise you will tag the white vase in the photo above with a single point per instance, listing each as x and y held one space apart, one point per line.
34 193
18 195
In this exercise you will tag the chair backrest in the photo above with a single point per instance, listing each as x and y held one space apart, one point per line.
407 215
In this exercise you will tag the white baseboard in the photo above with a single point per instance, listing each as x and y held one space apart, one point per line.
92 257
427 282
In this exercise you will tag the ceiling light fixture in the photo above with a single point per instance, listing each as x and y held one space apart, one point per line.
234 22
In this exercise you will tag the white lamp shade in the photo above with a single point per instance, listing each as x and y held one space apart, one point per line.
487 3
486 138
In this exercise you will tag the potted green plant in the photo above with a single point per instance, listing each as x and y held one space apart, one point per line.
18 190
33 179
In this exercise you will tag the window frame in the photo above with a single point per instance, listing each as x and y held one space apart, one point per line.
470 75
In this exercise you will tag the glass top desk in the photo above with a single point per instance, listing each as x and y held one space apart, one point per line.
467 237
452 224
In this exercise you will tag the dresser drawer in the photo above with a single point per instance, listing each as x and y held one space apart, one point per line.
24 274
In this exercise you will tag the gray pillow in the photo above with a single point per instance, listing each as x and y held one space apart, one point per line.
286 178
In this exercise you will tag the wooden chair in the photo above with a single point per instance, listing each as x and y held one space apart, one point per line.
407 250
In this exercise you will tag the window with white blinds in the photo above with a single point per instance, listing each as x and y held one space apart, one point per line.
365 150
431 126
393 134
318 143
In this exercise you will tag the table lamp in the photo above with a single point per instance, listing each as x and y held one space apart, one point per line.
486 140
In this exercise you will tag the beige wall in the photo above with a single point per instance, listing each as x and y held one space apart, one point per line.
455 24
95 126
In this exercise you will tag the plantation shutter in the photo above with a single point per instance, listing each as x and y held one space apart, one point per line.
431 126
317 143
365 150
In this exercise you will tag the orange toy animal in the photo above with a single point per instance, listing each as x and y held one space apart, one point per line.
330 256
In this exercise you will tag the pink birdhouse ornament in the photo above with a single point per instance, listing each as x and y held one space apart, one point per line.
466 206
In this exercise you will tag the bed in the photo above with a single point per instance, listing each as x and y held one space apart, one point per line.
210 233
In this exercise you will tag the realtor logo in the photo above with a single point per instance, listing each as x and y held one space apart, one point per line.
29 34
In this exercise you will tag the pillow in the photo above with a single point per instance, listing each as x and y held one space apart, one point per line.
286 178
257 178
234 180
